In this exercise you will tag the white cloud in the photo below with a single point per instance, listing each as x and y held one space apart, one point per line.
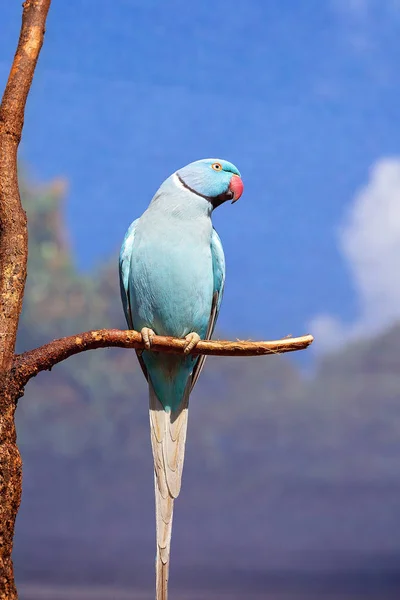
370 242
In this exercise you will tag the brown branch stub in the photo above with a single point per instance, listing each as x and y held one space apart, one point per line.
30 363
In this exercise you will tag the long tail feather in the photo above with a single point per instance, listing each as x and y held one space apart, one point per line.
168 437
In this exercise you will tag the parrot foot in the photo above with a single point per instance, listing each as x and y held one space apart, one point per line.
192 339
147 336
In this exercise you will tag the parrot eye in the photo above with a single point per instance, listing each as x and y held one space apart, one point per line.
217 166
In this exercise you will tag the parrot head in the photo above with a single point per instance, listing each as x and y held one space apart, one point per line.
214 179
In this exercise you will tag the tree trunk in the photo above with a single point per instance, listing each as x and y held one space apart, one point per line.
10 491
13 260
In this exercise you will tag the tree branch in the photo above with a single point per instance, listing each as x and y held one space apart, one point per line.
30 363
13 260
13 229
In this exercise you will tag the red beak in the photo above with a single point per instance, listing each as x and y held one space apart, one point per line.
236 187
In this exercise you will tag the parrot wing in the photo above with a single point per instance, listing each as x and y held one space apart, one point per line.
124 275
218 263
124 269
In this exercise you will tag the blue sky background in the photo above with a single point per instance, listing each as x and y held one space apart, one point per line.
302 96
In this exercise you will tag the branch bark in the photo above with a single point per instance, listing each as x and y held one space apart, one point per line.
30 363
13 260
13 228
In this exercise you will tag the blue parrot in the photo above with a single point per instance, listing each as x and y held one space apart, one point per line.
172 274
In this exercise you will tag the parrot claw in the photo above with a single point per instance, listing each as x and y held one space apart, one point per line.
147 336
192 339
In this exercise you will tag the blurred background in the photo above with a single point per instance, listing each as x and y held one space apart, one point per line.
291 486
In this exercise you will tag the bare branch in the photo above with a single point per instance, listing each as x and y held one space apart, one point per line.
13 230
30 363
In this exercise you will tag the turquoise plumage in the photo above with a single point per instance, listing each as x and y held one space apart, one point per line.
172 274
